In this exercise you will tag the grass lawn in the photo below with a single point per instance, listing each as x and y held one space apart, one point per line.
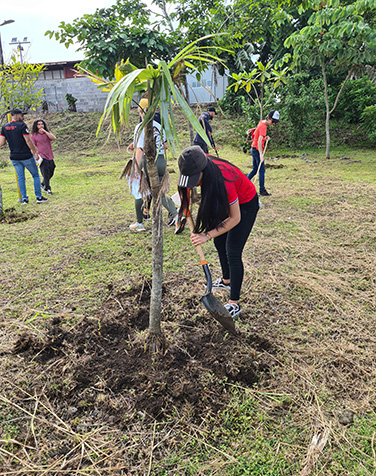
78 392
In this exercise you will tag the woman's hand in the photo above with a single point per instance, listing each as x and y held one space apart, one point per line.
199 238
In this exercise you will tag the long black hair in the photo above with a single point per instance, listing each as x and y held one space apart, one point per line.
34 129
214 207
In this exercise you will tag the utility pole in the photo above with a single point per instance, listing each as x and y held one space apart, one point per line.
20 43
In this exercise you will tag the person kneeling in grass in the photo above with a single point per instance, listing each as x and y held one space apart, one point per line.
227 212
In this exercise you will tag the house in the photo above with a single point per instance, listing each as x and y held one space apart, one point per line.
60 78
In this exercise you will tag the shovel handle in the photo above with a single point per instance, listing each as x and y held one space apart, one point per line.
191 225
198 248
261 161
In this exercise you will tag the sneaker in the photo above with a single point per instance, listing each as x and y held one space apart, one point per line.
219 284
173 221
49 192
146 216
137 227
179 226
25 201
42 200
264 193
233 308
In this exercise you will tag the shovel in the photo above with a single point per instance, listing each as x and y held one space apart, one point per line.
216 309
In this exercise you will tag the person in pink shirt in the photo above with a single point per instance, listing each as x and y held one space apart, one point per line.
42 138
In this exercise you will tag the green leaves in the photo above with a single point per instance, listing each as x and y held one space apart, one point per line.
17 86
163 83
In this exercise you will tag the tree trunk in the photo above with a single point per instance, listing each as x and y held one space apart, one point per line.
327 134
157 234
327 117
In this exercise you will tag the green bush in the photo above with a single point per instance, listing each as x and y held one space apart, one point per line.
302 111
356 96
368 118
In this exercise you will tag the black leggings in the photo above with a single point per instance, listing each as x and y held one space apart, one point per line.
230 247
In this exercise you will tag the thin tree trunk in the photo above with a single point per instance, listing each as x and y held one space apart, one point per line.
157 234
327 118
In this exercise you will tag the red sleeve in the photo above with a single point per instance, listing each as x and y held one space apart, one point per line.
232 194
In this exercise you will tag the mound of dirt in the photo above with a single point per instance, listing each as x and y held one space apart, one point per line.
103 359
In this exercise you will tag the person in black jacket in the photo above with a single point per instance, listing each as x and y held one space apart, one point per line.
204 121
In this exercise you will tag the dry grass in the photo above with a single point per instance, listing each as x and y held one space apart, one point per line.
307 332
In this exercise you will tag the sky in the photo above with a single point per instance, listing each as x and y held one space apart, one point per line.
33 18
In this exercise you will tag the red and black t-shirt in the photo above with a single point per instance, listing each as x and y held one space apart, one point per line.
238 185
14 133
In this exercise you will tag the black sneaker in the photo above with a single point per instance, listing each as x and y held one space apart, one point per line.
233 308
179 226
173 221
42 200
219 284
25 201
264 193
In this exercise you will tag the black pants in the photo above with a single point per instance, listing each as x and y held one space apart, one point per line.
47 168
230 247
203 146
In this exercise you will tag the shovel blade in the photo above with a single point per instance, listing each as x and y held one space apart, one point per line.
219 312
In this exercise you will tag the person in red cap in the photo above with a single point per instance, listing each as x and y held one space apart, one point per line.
227 212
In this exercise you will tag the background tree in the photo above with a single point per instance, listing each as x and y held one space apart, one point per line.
124 30
163 84
17 86
17 89
340 39
263 81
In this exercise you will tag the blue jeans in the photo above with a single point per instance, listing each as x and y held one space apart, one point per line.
31 166
256 163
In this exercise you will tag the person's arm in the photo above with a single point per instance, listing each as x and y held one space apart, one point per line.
259 147
48 134
2 141
138 155
230 222
31 146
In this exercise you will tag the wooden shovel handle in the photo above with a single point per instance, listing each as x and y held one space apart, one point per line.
192 229
198 248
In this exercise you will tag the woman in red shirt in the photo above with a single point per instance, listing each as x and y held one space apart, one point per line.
227 212
42 138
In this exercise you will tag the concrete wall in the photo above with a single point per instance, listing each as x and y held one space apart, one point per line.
89 97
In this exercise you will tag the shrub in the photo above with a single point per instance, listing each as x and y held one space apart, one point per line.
368 118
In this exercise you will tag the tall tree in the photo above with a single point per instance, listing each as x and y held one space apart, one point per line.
163 83
340 39
124 30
